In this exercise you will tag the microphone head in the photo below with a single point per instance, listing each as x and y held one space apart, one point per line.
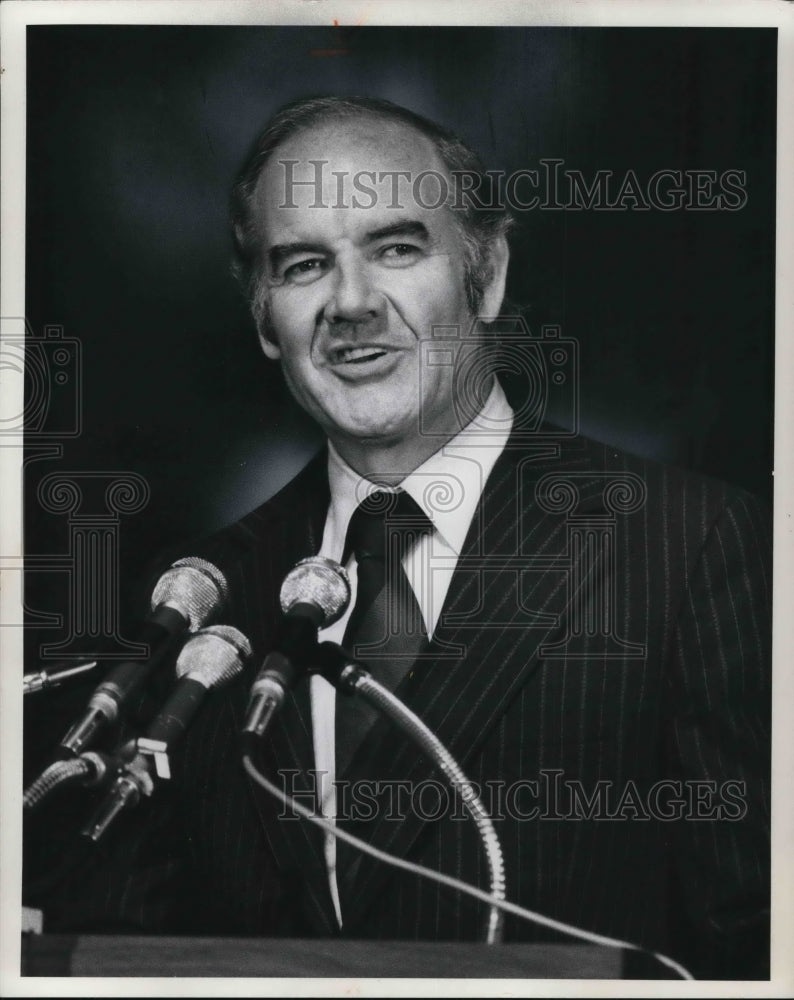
320 582
214 655
194 588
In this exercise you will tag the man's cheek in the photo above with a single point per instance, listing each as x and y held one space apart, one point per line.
414 290
293 309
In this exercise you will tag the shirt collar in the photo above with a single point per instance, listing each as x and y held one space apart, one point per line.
447 486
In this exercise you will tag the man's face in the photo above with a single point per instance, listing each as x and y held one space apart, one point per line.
354 290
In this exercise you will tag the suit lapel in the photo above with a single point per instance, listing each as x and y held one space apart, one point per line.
287 755
507 598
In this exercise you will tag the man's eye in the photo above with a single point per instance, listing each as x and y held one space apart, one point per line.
304 271
399 254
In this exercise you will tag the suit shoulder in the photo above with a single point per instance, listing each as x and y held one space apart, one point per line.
305 494
672 482
302 489
662 501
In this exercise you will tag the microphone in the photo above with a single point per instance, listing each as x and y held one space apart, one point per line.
186 596
210 658
43 680
314 594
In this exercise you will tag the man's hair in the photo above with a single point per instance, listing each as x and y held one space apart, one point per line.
479 226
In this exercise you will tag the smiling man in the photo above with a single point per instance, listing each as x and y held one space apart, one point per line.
355 291
588 632
347 289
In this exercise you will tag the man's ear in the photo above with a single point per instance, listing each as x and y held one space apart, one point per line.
494 291
270 347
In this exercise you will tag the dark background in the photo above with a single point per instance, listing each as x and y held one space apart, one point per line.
134 137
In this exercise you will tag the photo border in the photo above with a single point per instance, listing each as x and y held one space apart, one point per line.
14 17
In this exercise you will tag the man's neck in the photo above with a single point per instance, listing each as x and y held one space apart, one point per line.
388 463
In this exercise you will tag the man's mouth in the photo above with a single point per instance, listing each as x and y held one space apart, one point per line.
356 355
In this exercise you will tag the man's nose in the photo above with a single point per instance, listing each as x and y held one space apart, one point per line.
353 299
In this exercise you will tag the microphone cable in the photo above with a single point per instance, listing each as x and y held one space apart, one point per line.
351 679
450 881
89 769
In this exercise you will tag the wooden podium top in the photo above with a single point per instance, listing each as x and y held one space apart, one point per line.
64 955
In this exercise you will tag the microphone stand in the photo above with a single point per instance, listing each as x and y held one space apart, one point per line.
91 769
351 679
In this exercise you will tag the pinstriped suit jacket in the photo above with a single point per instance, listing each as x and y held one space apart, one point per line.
601 669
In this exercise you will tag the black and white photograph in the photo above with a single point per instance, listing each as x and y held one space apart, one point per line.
394 421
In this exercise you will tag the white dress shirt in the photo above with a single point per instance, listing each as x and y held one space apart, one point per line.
447 487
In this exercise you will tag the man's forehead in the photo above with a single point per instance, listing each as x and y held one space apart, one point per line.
364 165
362 143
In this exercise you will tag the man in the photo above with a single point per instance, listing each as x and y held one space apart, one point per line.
593 629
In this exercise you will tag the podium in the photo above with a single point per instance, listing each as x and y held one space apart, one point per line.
105 955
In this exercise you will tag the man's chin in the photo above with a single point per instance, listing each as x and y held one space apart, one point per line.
369 435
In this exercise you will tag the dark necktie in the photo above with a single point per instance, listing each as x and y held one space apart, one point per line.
385 631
